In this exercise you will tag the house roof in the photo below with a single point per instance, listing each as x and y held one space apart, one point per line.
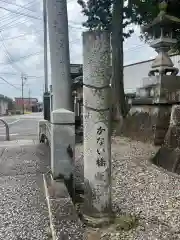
19 98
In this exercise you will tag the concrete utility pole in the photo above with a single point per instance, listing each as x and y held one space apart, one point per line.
59 52
62 117
23 81
45 47
29 99
96 120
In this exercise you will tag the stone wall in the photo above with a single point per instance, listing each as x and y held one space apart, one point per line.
140 123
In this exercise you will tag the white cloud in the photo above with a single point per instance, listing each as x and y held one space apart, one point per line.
23 36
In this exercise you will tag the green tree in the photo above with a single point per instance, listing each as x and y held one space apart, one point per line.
116 15
111 15
143 12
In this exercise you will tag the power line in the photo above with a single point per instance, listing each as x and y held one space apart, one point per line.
13 84
30 16
17 24
4 27
37 53
19 13
15 74
30 55
15 15
22 35
8 54
9 15
9 83
20 6
13 25
24 57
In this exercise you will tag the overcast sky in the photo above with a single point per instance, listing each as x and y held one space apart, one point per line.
21 45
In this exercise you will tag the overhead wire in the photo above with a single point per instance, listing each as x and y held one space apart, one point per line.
13 19
9 15
24 57
15 74
4 27
39 18
17 24
30 55
8 27
7 53
18 5
9 56
9 83
22 35
29 16
22 14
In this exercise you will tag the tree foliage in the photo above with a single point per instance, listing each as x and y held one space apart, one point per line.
99 15
139 12
143 12
103 15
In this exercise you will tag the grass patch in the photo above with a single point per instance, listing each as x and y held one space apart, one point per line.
125 222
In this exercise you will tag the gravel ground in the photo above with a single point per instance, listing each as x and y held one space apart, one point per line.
23 208
141 189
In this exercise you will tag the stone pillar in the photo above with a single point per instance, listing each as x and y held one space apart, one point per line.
59 53
164 111
96 121
62 116
162 124
172 139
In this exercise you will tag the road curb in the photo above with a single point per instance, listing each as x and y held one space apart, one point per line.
15 143
49 208
64 221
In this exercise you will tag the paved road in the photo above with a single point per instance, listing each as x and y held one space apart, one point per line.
21 127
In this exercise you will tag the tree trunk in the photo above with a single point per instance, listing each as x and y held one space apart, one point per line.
119 109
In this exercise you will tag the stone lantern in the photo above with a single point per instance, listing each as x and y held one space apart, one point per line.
161 31
163 75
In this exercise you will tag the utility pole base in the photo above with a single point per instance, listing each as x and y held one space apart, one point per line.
62 143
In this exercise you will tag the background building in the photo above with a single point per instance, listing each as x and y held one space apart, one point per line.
5 105
30 104
134 74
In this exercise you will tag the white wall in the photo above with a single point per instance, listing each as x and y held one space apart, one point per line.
134 73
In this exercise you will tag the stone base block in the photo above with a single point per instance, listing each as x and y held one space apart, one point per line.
62 143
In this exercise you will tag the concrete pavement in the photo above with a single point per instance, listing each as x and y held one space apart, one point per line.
21 126
23 207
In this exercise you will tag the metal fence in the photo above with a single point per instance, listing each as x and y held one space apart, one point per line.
7 129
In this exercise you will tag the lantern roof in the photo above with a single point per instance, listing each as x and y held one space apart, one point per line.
163 19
